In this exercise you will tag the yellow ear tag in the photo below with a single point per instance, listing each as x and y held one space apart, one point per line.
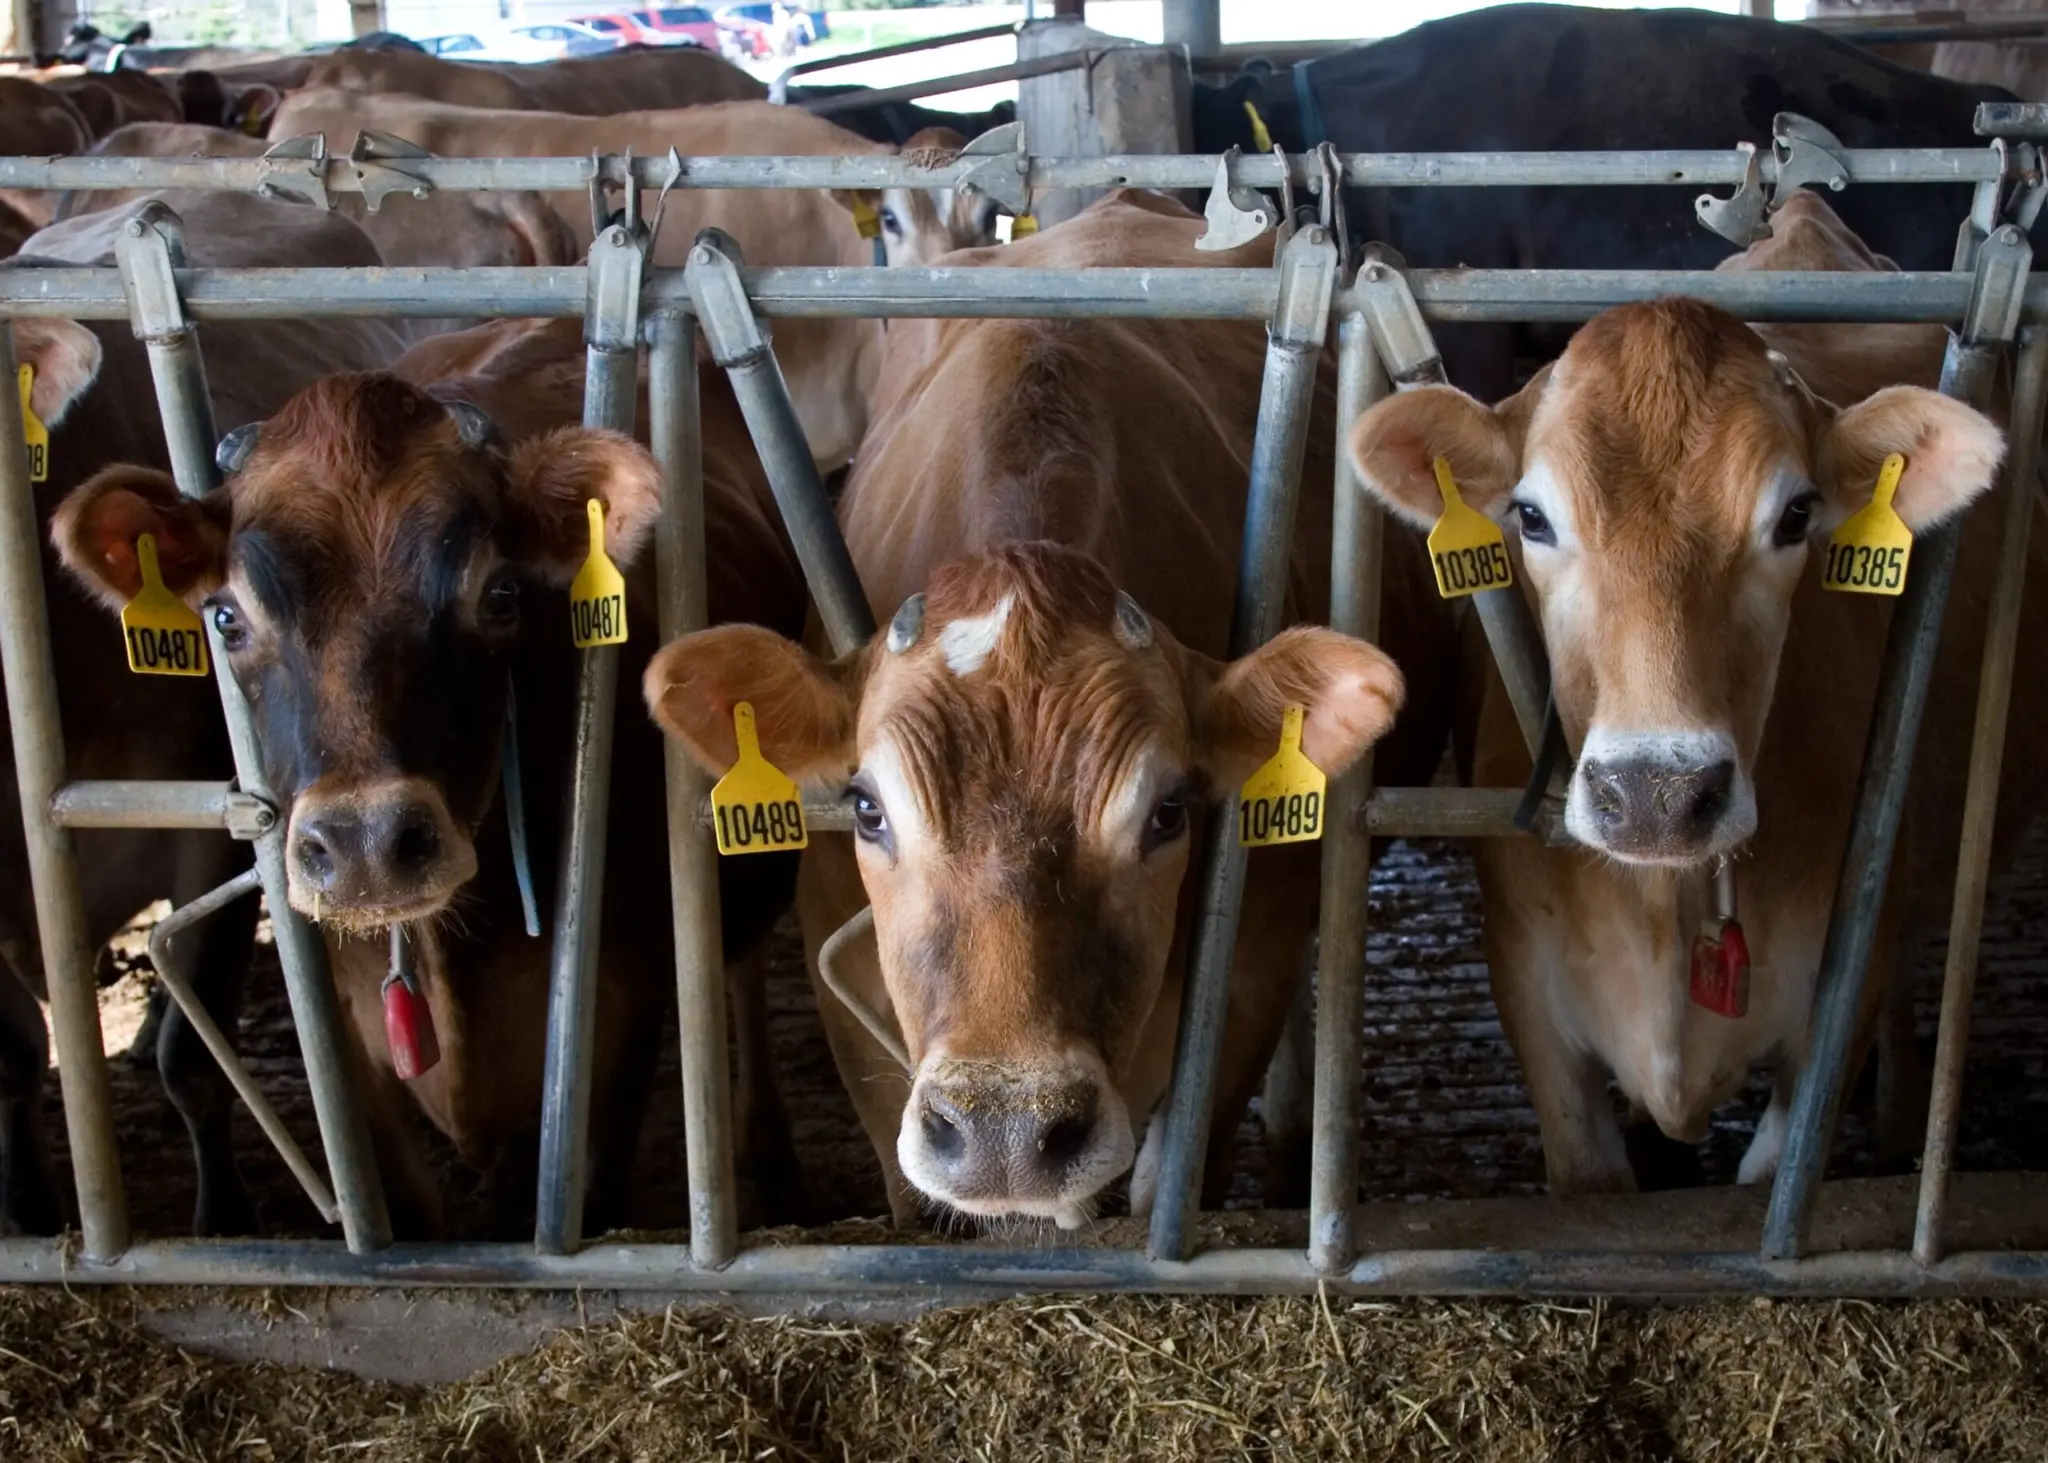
1465 546
597 596
1868 553
1011 227
164 635
1261 138
1283 801
757 809
866 219
33 431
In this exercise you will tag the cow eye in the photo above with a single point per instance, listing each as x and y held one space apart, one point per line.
501 602
1169 820
869 821
892 223
1536 528
228 621
1794 521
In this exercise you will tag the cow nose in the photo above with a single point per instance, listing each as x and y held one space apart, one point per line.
364 852
1656 809
1020 1137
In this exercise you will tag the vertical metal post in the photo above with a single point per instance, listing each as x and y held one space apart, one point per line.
1308 273
741 349
611 333
1980 799
1968 373
67 946
1357 537
1196 24
145 255
677 434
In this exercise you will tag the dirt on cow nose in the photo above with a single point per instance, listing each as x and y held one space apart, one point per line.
1657 810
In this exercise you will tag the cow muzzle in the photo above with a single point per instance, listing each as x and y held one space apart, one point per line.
998 1138
1661 800
375 854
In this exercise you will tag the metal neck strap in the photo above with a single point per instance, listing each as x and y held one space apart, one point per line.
515 812
879 1027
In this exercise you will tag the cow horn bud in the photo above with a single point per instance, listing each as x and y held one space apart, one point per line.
907 626
473 423
232 455
1133 626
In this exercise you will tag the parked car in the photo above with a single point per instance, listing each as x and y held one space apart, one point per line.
624 29
573 37
545 41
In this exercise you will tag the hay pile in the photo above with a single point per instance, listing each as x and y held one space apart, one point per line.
1123 1378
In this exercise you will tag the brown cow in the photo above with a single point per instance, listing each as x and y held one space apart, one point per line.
679 76
384 568
36 122
93 389
111 99
1668 475
1029 753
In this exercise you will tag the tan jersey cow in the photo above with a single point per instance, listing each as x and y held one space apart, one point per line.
1057 508
1670 478
679 76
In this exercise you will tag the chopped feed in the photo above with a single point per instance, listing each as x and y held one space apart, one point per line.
1126 1378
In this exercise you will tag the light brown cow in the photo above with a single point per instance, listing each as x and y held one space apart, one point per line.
1028 750
676 76
36 122
830 364
1668 476
111 99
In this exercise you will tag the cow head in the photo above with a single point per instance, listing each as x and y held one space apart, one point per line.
1022 749
921 224
364 566
1666 476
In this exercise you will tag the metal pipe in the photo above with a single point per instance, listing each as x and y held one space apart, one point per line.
171 972
1980 799
778 89
676 431
610 389
65 940
1194 24
139 804
1307 267
742 351
1519 655
940 85
1358 534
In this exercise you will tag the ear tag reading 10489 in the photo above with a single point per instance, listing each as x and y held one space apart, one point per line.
597 596
1868 553
1283 801
164 635
1465 546
33 432
866 219
757 809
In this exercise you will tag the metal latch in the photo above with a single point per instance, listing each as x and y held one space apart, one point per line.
1005 176
1399 332
370 156
1738 218
1806 153
1237 214
151 246
246 816
296 170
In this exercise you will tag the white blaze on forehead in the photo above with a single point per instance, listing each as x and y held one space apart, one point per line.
968 643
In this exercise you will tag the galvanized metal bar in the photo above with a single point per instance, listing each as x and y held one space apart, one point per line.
1969 373
677 433
940 85
65 940
778 89
1980 797
1358 534
187 411
610 397
1520 656
742 351
1307 266
163 804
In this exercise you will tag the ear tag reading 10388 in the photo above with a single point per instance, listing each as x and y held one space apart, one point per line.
755 807
164 635
1868 553
1465 546
597 596
1283 801
33 432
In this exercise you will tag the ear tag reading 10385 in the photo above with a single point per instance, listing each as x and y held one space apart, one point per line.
33 431
597 596
1283 801
755 807
1868 553
866 219
1465 546
164 635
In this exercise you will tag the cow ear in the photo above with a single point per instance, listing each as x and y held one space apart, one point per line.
1395 446
98 522
555 474
1348 690
66 357
803 708
1952 453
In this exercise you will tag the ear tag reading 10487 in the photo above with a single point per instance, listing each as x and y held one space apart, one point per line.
33 432
597 596
866 219
1868 553
1283 801
164 635
1465 546
757 809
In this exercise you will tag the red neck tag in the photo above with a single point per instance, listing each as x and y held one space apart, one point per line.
1720 971
409 1030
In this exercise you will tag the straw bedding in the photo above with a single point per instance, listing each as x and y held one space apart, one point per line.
1083 1379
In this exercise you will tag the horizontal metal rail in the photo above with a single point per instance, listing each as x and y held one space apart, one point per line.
142 805
337 173
778 89
910 91
1446 295
974 1269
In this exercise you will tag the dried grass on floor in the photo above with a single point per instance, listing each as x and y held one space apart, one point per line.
1123 1378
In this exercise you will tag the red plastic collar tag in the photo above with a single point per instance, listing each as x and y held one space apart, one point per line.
1720 971
409 1030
